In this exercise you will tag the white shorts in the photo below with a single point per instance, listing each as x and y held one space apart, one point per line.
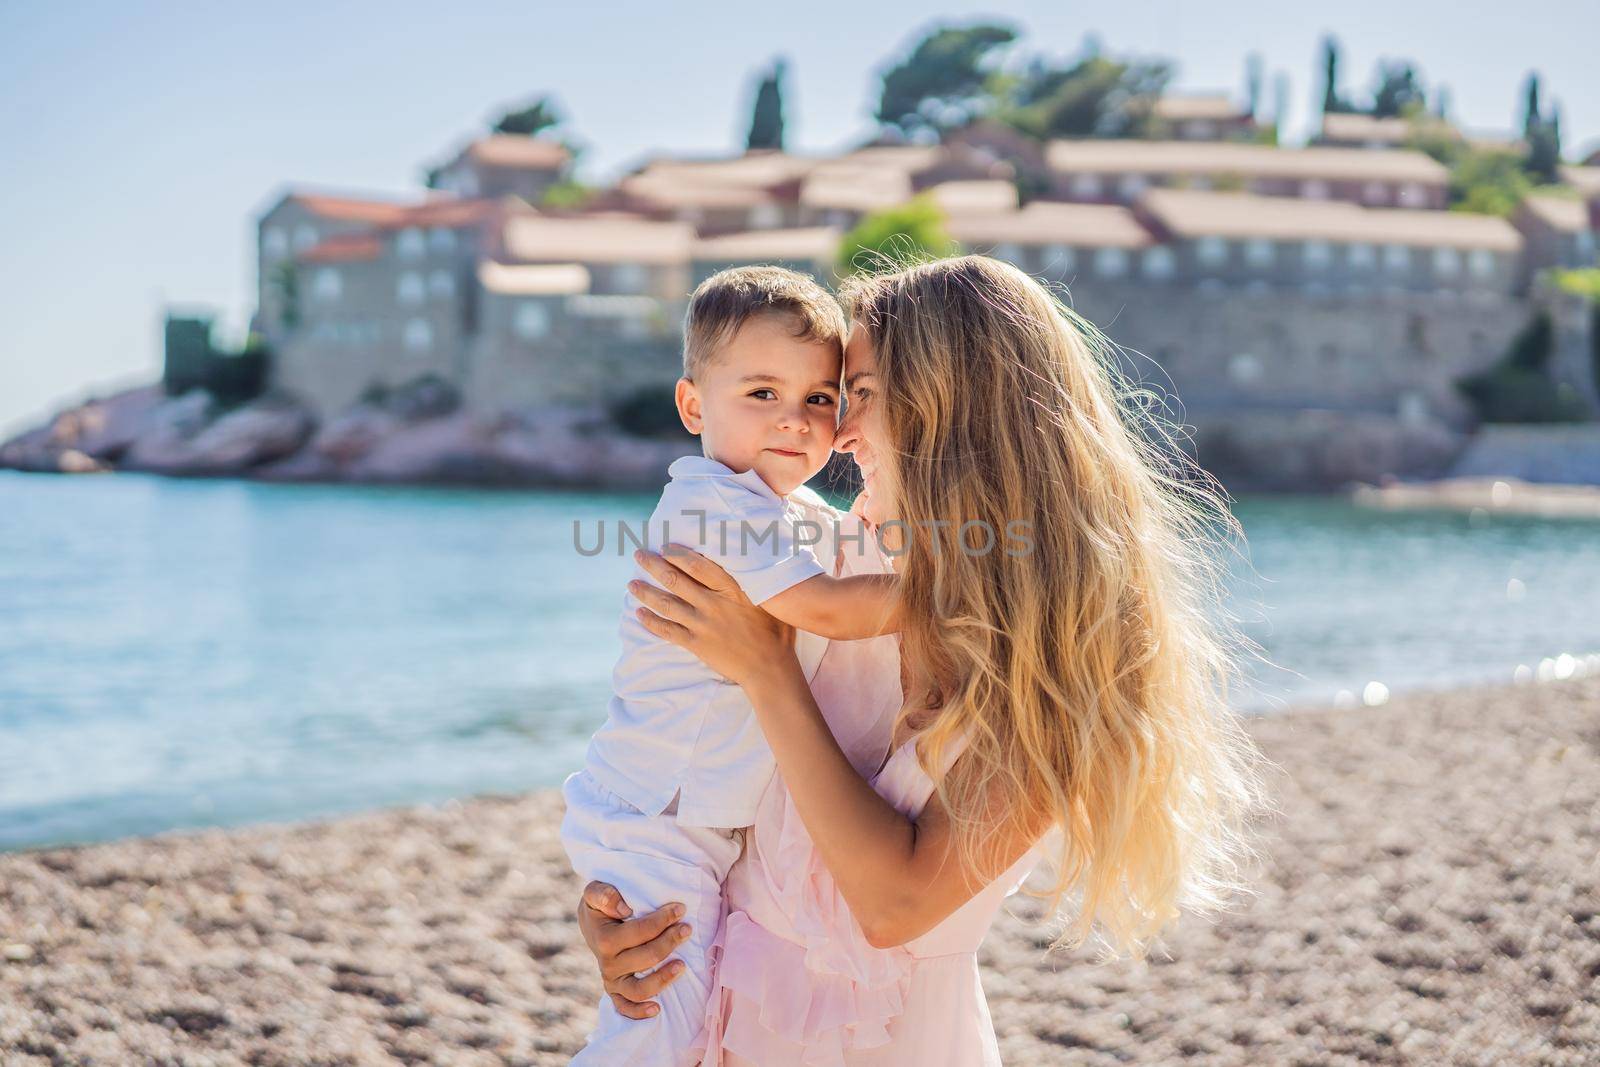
652 860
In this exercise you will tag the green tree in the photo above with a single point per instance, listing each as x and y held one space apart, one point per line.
1530 107
566 195
1543 161
285 281
1252 82
1519 387
536 117
1331 100
911 232
941 84
1397 90
1094 97
766 120
1487 182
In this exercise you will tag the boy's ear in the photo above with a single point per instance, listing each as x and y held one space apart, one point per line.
687 397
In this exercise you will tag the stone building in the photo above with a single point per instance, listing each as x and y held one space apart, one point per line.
1247 277
504 165
1203 117
1118 171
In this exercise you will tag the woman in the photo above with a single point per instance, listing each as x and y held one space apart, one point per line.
1061 670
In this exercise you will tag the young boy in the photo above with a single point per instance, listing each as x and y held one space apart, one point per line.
680 763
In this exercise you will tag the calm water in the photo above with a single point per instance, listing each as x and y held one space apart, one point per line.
177 653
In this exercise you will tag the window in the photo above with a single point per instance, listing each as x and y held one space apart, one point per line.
1111 262
1060 258
766 217
1132 185
1585 248
1412 195
628 278
1244 368
304 237
1446 262
1158 263
1316 255
441 284
1314 189
1011 253
1396 259
1361 256
1086 185
327 285
442 239
1481 262
1375 193
409 288
418 335
274 242
410 244
531 320
1211 251
1258 253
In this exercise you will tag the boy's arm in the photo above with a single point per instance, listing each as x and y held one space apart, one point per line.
841 609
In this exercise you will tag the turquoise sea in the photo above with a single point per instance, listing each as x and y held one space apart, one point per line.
187 653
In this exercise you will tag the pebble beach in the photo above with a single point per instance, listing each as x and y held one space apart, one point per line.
1428 893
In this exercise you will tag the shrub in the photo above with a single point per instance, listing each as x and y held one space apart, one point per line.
1519 387
649 411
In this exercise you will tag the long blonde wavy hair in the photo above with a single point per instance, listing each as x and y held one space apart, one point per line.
1088 675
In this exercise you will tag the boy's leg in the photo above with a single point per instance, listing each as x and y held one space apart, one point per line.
651 860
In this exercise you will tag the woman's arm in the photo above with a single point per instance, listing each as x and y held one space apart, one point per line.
900 877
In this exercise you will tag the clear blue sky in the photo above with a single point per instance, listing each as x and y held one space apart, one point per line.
137 141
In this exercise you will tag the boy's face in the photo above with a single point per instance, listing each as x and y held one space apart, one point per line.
768 402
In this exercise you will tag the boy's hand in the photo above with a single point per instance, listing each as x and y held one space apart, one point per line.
625 947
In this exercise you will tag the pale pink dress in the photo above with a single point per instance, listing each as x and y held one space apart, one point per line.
796 981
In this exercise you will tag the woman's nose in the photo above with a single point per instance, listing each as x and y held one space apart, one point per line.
845 438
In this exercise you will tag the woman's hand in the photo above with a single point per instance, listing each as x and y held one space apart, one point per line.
702 609
624 947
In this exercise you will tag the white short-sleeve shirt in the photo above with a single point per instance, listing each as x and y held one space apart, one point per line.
675 728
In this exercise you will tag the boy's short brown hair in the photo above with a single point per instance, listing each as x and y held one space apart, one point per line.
728 299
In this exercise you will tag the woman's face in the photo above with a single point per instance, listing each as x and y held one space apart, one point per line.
861 432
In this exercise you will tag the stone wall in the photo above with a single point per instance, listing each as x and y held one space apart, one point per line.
1565 454
1282 349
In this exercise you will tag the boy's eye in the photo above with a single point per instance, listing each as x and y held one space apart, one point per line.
757 393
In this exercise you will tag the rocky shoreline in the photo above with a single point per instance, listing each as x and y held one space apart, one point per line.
420 433
1428 893
415 434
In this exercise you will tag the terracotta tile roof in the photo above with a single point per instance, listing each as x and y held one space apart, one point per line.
1049 222
756 246
1215 106
761 170
609 238
344 248
1567 213
516 151
350 208
547 279
1339 126
676 190
903 157
449 212
1584 179
854 186
1189 213
981 196
1252 160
